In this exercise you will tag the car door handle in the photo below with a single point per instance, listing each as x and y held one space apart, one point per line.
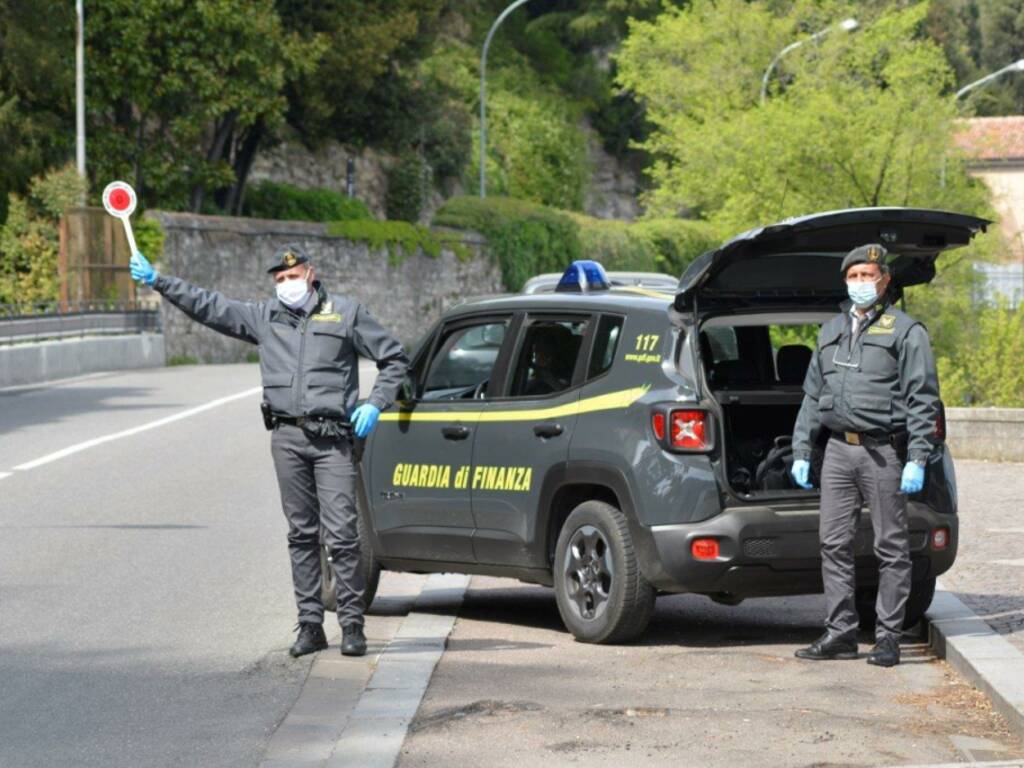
548 430
455 433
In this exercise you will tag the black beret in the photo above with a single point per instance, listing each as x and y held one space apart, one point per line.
288 256
872 253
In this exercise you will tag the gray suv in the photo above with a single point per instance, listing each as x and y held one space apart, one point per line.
621 442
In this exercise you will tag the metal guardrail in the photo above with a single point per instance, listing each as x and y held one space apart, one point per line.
52 320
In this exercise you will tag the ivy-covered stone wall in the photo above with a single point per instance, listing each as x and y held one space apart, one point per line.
407 277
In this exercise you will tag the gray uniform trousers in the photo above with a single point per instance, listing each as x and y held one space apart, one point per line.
850 475
317 480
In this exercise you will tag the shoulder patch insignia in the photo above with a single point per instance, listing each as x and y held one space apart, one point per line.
887 321
326 317
874 330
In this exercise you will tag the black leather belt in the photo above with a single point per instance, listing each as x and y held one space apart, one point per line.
300 421
871 441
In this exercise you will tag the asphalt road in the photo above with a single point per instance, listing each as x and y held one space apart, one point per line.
145 601
146 610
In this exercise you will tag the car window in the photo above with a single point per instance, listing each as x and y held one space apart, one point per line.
548 357
605 343
720 343
461 367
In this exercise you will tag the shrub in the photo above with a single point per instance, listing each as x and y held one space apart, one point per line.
149 236
406 187
524 238
270 200
527 239
986 369
400 238
30 237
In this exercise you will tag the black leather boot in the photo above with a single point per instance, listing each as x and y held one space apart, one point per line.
886 652
353 641
829 647
311 639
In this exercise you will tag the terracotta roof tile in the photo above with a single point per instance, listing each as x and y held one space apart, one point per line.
992 138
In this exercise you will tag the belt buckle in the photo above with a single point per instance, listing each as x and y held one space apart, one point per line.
852 438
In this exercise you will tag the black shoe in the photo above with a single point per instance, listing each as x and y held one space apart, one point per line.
829 646
353 641
886 652
310 640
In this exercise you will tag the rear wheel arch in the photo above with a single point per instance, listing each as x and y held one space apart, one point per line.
575 484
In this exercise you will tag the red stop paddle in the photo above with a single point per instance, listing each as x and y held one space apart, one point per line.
119 200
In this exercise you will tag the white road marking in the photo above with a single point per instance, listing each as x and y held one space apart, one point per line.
1005 530
4 474
134 430
1019 561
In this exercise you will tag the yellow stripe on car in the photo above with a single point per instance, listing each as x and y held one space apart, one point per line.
608 402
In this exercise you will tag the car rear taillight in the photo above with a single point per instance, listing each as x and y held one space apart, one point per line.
704 549
689 430
658 425
940 538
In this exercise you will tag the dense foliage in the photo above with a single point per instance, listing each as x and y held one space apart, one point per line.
269 200
528 239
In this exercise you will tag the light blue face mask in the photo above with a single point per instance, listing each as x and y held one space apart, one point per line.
863 294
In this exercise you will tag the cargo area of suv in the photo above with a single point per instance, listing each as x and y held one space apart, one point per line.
754 369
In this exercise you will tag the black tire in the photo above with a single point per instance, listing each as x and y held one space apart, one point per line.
369 564
601 593
921 595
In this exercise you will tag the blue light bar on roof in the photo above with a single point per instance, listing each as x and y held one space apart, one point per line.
583 276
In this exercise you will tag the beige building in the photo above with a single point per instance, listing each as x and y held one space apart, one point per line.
995 148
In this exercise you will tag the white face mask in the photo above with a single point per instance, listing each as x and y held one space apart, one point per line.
293 293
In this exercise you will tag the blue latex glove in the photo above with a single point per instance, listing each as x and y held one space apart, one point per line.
913 478
142 270
801 473
364 419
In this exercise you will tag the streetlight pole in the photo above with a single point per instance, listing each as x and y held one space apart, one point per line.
80 92
1017 66
847 25
483 93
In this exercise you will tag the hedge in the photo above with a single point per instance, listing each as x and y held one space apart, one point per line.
269 200
527 239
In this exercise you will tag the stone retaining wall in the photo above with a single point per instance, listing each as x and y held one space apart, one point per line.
996 434
231 255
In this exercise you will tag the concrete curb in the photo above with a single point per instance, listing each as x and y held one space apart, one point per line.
980 654
376 729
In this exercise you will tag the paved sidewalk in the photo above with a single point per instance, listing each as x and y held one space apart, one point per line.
989 572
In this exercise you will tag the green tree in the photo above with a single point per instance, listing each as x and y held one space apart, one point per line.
859 120
177 86
29 238
36 91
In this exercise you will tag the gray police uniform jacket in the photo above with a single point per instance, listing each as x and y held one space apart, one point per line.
309 361
881 382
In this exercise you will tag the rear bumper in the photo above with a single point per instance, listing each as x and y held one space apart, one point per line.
765 552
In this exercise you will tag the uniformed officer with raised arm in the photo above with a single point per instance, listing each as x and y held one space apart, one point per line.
308 342
872 383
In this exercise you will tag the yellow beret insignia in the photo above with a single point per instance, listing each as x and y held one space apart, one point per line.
289 259
874 253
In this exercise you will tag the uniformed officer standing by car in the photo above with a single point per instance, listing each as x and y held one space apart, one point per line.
308 342
872 384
